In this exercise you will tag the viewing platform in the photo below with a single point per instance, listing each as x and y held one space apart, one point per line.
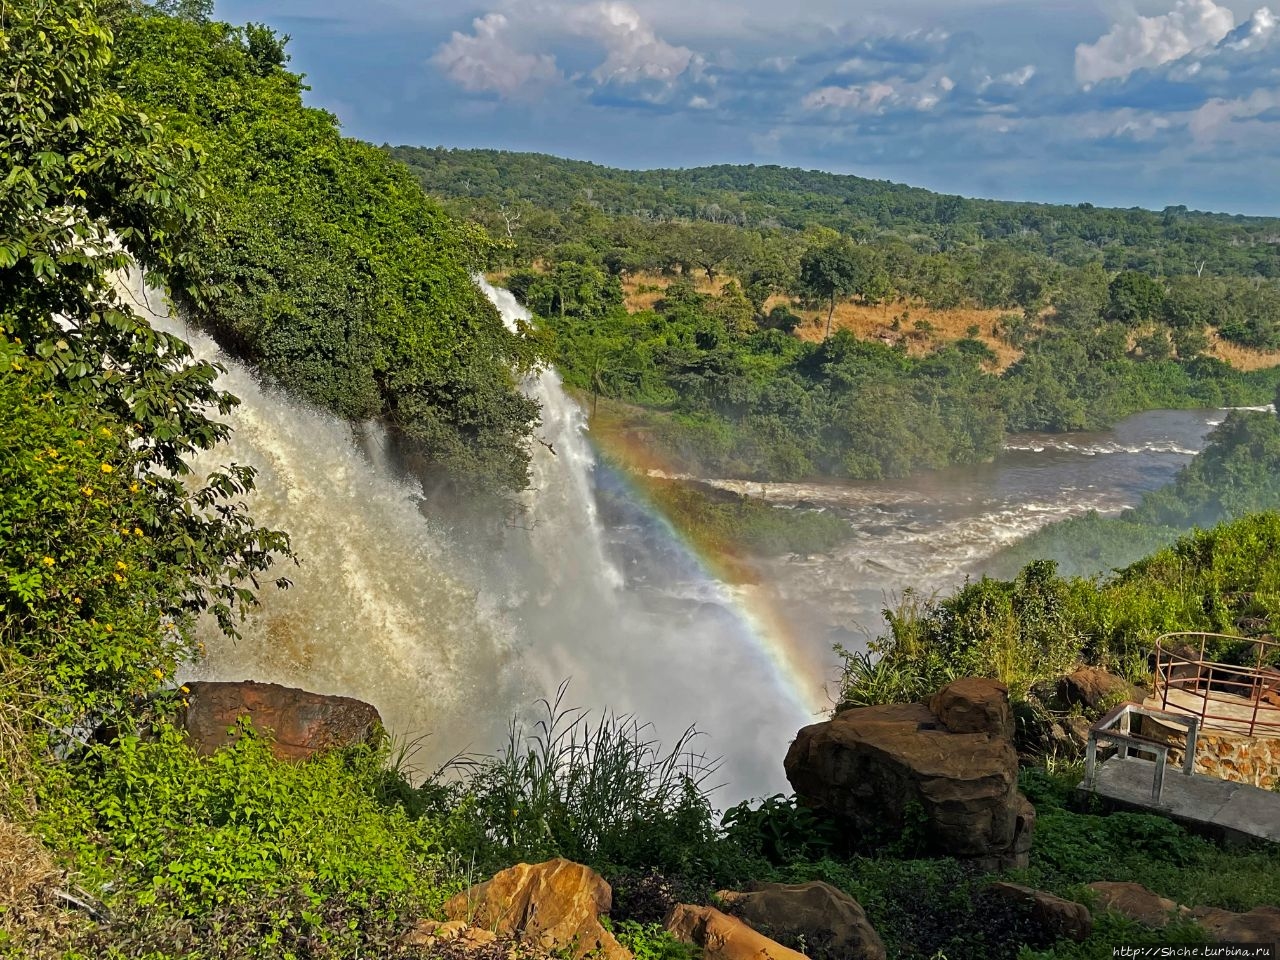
1218 722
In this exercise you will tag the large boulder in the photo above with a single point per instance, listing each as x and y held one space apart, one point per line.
831 923
974 705
1259 925
301 723
1094 689
1059 918
553 906
1136 902
723 937
878 768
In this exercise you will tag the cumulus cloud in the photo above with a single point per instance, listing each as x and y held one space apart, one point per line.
879 96
486 61
1213 121
1151 41
633 52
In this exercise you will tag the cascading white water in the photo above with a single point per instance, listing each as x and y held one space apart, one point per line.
448 637
373 612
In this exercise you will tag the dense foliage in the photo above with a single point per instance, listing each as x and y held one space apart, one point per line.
716 389
333 272
1174 241
1034 627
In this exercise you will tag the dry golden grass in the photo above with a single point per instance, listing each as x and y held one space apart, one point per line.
31 913
643 290
1242 358
945 326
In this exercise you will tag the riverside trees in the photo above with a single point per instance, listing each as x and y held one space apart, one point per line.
106 554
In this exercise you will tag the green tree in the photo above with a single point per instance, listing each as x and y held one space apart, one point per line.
829 272
107 553
1134 298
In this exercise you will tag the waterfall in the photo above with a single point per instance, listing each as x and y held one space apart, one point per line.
449 637
375 611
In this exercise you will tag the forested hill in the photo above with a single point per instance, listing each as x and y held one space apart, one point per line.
1172 242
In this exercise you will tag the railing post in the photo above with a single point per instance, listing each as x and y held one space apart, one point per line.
1123 748
1193 735
1157 787
1091 761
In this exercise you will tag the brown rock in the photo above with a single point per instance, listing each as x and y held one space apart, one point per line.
831 922
554 905
1093 688
722 937
974 705
872 766
301 723
1136 902
427 933
1061 919
1259 925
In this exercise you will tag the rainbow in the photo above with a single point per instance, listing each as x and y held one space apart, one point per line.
795 668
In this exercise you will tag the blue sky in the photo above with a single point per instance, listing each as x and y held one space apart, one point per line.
1145 102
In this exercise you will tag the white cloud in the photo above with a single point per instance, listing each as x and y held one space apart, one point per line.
633 52
487 62
1213 121
878 96
1257 32
1150 41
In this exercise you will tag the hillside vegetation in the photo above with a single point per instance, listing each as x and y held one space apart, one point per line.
770 324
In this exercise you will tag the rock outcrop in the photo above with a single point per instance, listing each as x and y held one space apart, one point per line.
954 766
1137 903
1095 689
1259 925
553 906
723 937
1132 900
1059 918
831 923
301 723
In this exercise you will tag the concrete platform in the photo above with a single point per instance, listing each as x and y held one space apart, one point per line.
1221 807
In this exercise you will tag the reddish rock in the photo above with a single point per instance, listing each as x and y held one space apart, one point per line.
554 906
872 766
1061 919
1259 925
301 723
723 937
1096 689
1136 902
974 705
831 922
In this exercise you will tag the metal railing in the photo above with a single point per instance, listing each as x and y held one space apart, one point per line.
1117 728
1227 697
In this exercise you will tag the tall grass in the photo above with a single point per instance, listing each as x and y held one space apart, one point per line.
603 790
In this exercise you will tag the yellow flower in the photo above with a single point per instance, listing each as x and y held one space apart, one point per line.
137 531
106 468
75 600
87 491
47 561
184 688
118 578
107 627
121 565
159 674
133 488
105 432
